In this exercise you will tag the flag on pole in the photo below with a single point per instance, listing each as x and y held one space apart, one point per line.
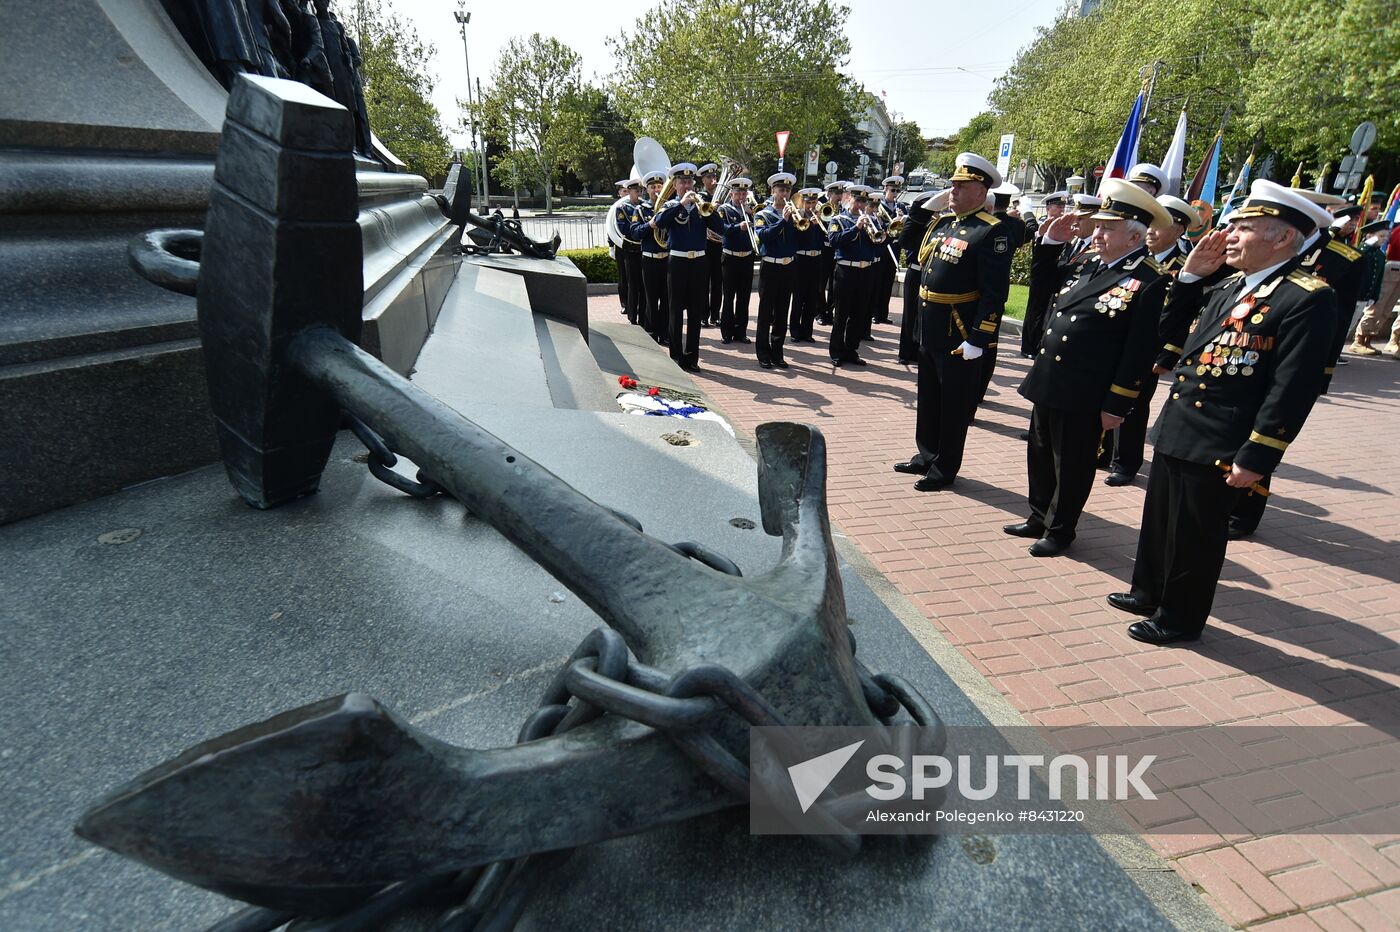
1364 199
1241 186
1203 185
1297 181
1174 163
1392 210
1125 153
1321 186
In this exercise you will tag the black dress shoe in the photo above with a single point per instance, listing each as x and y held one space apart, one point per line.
765 364
1238 531
932 484
905 362
836 363
914 469
1117 478
1149 632
1024 529
726 340
855 361
745 340
1048 547
781 363
1126 602
1024 436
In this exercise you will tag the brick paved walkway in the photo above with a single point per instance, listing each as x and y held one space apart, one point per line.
1306 616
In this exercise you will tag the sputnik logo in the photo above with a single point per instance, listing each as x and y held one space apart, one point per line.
811 777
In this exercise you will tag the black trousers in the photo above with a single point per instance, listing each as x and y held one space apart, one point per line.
629 285
1060 467
988 360
909 319
806 296
620 258
852 304
947 397
828 309
1249 509
889 272
1127 441
656 298
690 280
876 274
714 256
1185 520
1033 327
774 300
738 285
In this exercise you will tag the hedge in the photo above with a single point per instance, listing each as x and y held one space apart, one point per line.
596 265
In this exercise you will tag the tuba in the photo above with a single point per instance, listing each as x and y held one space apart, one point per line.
648 156
721 187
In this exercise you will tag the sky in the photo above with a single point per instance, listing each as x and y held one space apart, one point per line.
934 61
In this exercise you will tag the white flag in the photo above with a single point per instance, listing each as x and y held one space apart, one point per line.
1173 165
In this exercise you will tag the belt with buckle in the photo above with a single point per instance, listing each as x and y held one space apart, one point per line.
693 254
851 263
776 261
809 252
655 255
738 255
939 297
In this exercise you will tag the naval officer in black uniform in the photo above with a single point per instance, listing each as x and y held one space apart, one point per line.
966 260
1093 364
924 211
1249 374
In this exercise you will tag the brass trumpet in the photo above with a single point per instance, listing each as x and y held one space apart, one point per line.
828 211
796 217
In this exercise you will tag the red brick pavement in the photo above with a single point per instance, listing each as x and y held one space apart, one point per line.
1305 622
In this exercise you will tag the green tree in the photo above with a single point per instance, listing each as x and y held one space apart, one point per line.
398 84
721 76
906 144
538 103
599 168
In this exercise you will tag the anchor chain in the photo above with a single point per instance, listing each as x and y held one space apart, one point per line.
598 678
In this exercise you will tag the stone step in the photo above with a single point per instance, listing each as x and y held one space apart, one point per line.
575 380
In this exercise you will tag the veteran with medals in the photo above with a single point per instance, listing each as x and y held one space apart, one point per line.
966 262
1249 374
1094 360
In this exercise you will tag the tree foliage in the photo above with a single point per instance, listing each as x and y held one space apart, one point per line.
1294 75
398 86
723 75
906 145
538 105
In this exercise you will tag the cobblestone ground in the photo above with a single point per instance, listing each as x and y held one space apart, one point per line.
1306 616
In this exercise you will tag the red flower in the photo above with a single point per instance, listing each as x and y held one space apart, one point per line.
622 380
653 391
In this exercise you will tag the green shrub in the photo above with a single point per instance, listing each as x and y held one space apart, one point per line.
1021 266
596 265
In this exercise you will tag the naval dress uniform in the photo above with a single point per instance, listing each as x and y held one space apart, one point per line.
655 292
887 272
777 247
629 216
738 260
855 254
1016 229
689 274
1249 374
826 315
810 266
916 224
966 275
1096 356
714 255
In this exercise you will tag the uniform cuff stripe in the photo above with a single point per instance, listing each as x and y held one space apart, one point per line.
1173 349
1256 437
1125 392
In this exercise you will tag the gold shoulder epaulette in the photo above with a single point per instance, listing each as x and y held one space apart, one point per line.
991 219
1153 264
1304 280
1343 250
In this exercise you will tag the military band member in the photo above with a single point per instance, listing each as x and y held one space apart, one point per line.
737 230
714 248
1339 265
880 260
836 197
1123 447
685 229
655 291
616 253
925 209
777 247
966 260
887 272
1090 371
629 214
1249 374
852 235
1149 177
808 269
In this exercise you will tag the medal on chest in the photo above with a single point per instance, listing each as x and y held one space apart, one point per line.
951 249
1118 297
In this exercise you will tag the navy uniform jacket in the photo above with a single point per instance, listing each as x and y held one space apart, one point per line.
852 244
966 262
712 233
1100 338
642 232
777 238
916 224
684 227
813 238
1248 377
1341 267
628 216
735 237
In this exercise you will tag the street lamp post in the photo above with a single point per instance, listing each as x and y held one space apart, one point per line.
463 17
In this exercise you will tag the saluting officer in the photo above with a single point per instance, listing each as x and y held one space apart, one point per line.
1052 262
925 209
1249 374
852 235
1149 177
629 215
714 247
966 259
737 230
777 246
1090 371
1339 265
685 230
1016 229
836 197
655 293
808 268
1123 447
887 210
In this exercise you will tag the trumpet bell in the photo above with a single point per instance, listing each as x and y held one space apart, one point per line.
649 156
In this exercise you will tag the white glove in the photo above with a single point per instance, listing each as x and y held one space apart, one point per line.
969 351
